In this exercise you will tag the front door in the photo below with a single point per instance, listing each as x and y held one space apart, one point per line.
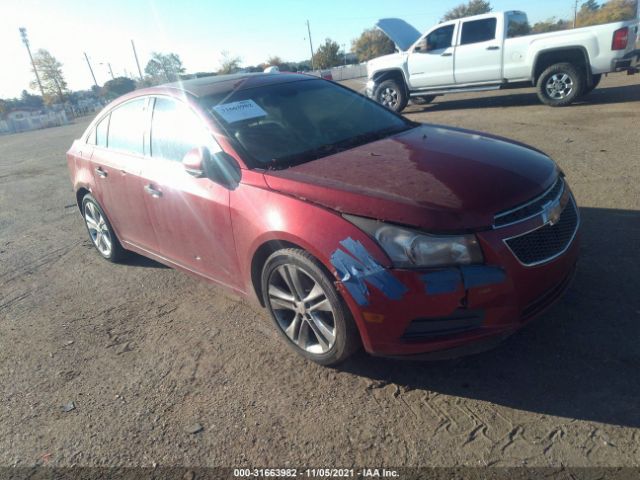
190 215
430 63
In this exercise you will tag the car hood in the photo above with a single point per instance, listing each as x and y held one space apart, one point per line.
399 31
432 177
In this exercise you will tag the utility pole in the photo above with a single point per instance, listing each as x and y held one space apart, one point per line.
136 57
110 71
575 13
90 69
310 44
25 40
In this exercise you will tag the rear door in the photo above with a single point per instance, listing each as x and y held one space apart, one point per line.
117 160
430 63
190 215
478 56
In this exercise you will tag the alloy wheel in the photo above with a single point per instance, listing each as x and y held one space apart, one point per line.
389 97
98 229
302 309
559 86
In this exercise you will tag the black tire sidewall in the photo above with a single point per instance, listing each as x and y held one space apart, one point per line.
402 94
578 82
347 337
117 252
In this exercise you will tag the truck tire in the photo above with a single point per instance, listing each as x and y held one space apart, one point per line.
595 82
392 95
560 84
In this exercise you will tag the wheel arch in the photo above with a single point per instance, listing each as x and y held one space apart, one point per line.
576 55
80 194
391 74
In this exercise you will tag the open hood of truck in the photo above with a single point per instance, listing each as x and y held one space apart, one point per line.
399 31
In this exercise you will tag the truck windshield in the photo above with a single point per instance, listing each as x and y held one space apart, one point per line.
285 124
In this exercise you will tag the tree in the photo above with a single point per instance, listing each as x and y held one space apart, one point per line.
372 43
590 6
164 67
31 101
611 11
50 69
473 7
118 86
228 63
327 55
551 25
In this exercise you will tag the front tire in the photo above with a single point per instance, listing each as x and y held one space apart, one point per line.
560 84
100 230
306 309
392 95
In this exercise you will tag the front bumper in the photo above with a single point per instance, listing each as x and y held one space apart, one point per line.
370 88
453 317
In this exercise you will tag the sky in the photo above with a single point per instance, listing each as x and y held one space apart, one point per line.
199 31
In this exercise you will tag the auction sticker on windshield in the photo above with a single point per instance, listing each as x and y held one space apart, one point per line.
238 111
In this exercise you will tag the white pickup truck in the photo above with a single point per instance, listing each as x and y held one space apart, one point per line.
495 51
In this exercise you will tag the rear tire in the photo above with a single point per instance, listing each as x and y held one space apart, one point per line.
100 231
392 95
560 84
306 309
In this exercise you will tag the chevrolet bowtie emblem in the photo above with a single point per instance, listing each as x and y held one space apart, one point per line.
551 212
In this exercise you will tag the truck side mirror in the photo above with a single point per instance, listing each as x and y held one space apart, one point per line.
421 46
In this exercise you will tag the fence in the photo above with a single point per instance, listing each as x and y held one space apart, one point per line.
346 72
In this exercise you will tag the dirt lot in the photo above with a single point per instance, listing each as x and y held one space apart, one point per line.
146 354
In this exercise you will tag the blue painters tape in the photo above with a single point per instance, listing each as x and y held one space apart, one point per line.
359 269
475 276
444 281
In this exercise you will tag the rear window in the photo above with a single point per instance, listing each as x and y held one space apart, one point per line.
126 127
101 132
477 31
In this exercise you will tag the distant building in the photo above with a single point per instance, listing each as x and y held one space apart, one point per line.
24 119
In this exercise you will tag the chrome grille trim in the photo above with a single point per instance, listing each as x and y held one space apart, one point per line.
553 193
570 204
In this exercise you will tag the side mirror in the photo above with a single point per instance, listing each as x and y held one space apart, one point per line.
220 167
193 162
421 46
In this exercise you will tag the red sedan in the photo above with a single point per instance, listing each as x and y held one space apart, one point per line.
351 224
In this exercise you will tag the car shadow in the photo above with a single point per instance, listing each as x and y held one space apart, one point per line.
135 260
579 360
600 96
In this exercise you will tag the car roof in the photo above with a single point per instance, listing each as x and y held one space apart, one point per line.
221 84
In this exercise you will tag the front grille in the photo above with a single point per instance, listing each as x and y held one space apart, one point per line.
530 209
548 297
547 242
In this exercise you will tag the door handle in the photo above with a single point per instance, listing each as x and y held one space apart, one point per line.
152 191
446 54
493 47
101 173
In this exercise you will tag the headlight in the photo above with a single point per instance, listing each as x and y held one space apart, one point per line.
410 248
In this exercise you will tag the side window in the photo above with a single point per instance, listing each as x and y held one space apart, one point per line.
126 127
440 39
176 129
517 25
101 132
478 31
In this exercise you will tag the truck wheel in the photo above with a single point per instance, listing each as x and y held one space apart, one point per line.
392 95
596 81
560 84
423 100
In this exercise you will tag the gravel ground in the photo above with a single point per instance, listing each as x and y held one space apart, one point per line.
142 356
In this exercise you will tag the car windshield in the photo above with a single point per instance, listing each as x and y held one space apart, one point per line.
286 124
